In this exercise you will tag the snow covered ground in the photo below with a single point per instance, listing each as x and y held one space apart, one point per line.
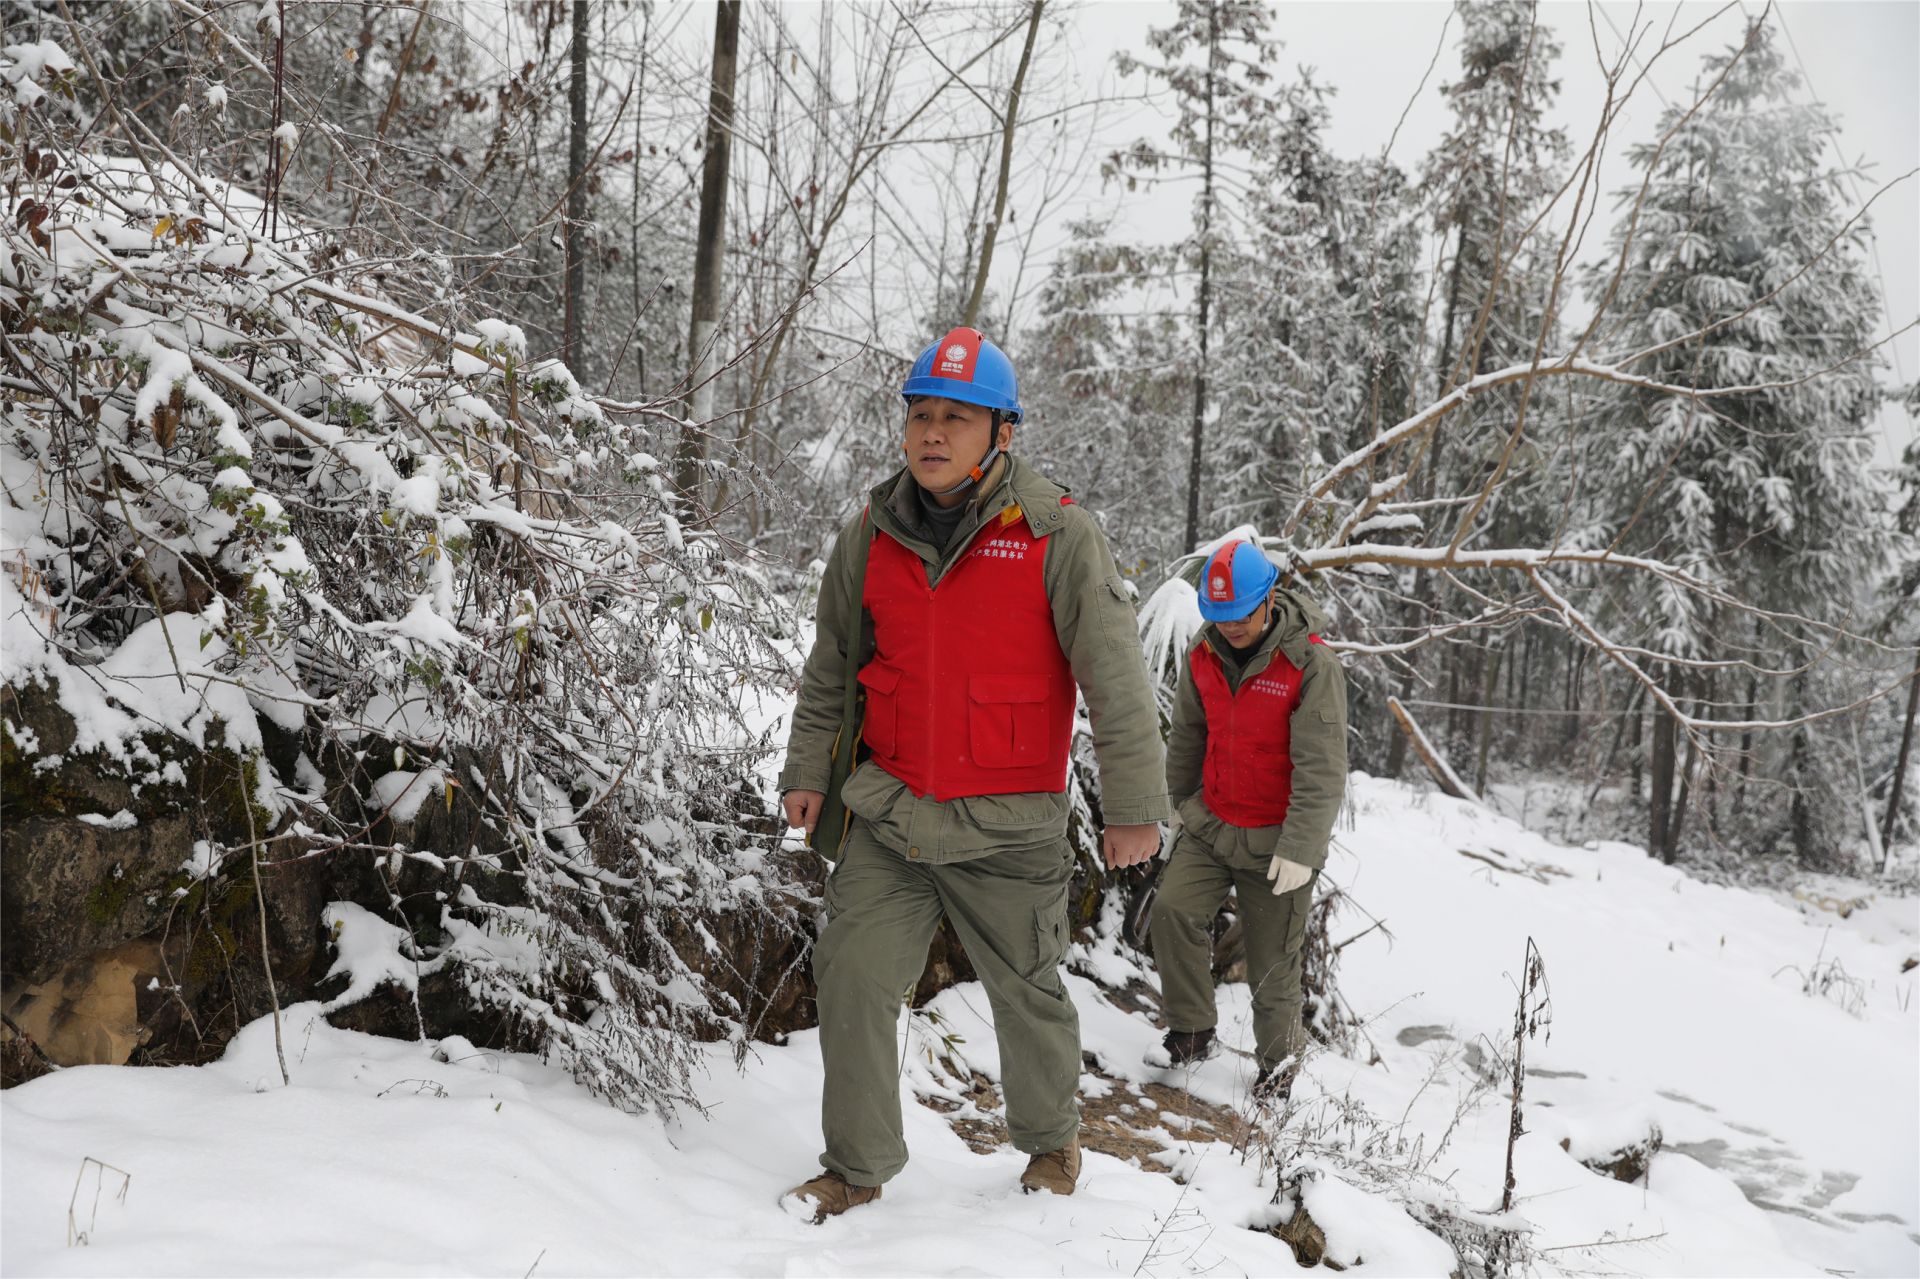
1789 1116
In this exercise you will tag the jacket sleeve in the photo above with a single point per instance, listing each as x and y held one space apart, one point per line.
1093 618
823 681
1187 741
1318 744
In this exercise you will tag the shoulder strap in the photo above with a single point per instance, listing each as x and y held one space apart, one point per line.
863 646
830 833
865 545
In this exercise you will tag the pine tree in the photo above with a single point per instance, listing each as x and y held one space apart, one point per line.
1485 182
1106 389
1213 58
1742 239
1324 303
1485 185
1903 595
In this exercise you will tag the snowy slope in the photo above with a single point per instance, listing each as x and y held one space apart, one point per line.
1668 1008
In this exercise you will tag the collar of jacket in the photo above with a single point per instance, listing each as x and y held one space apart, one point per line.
1010 481
1298 618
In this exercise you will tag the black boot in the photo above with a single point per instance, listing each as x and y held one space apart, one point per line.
1188 1047
1273 1086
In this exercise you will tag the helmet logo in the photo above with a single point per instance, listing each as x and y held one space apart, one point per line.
1238 577
957 354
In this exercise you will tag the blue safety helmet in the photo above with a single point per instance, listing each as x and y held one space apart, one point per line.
1238 577
964 366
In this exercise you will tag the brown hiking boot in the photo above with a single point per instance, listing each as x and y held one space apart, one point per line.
831 1194
1057 1170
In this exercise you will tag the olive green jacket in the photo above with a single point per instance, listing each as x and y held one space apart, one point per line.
1093 618
1317 743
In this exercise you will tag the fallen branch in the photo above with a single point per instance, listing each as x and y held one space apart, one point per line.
1430 755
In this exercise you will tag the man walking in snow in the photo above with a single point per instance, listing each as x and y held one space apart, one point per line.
968 601
1257 763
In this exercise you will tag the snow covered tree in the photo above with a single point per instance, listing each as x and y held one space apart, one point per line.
429 594
1214 58
1487 181
1903 617
1488 184
1107 394
1322 311
1748 270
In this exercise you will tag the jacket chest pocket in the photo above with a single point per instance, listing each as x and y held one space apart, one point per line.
880 725
1007 720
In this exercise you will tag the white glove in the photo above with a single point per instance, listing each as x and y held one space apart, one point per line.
1286 875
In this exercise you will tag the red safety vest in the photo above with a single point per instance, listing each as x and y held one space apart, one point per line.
1247 779
968 692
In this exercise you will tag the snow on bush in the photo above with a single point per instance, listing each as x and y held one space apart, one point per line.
251 497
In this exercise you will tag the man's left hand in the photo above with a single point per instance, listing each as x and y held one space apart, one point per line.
1129 845
1286 875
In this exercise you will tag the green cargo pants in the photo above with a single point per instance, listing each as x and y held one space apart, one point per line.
1010 911
1192 889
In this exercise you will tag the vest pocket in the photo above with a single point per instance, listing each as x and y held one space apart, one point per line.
1007 720
1027 813
880 726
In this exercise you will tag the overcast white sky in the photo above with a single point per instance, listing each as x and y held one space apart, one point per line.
1861 58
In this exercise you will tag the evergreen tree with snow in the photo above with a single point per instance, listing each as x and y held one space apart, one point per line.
1902 600
1321 311
1487 180
1486 185
1109 388
1214 60
1744 271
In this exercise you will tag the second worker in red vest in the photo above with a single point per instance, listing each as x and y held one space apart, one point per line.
1257 763
991 597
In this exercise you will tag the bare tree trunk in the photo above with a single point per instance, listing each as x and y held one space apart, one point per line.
1425 591
633 212
1660 803
1487 687
708 251
1710 781
1576 670
571 230
1526 685
1800 776
1009 120
1197 436
1637 751
1906 753
1453 698
1687 773
1619 731
1397 752
1437 440
1746 739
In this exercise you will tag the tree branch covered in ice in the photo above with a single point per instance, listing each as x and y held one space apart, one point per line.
255 502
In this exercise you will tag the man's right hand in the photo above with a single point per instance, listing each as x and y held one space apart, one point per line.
803 808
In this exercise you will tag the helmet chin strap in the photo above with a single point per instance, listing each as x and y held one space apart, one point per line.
979 472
